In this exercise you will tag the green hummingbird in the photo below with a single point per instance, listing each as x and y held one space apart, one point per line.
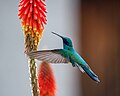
65 55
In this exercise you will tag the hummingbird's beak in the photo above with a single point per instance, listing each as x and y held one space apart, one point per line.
58 35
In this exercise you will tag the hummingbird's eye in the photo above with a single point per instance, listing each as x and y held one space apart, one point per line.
66 42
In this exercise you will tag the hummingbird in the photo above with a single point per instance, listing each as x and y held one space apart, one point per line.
65 55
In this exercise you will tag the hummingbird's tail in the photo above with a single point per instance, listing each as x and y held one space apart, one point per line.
90 73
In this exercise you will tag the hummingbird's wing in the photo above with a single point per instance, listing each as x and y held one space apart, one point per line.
50 56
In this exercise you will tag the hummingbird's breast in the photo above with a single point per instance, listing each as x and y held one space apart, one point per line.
77 58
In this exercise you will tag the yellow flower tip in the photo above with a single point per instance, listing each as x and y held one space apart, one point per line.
37 33
35 29
32 34
36 44
41 32
30 27
27 24
29 32
25 29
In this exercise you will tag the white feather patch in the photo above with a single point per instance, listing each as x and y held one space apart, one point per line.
81 69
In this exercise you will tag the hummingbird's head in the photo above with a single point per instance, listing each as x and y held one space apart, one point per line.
67 41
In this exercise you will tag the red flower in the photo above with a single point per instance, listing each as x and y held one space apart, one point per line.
33 15
46 80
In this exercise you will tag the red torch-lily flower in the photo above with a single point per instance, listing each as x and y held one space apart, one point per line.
46 80
32 14
33 17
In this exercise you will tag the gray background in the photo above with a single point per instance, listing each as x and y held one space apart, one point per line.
14 72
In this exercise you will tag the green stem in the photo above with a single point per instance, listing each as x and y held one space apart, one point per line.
30 45
33 77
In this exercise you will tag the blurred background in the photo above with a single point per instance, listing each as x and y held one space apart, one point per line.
94 29
100 29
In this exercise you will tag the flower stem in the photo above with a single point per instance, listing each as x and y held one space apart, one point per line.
31 45
33 77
